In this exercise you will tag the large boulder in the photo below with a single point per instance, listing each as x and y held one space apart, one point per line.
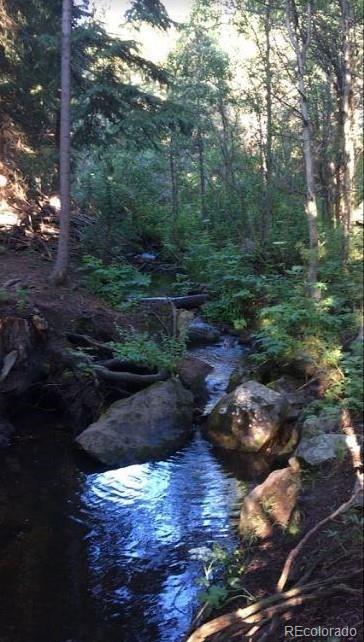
249 419
271 503
193 372
151 424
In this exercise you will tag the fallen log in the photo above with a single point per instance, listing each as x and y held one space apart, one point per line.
130 377
187 302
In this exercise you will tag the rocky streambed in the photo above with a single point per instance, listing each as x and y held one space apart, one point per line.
109 555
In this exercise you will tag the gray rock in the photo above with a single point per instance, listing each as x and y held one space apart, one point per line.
201 333
248 419
316 448
324 422
151 424
193 372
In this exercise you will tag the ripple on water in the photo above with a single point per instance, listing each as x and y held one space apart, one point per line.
148 517
111 557
224 357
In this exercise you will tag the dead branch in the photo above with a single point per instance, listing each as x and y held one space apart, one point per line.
294 553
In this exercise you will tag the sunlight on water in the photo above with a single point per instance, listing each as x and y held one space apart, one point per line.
146 520
148 517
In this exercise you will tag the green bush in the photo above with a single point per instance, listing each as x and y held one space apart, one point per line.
141 348
114 282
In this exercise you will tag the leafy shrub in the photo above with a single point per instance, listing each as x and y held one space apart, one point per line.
140 348
114 282
223 572
233 286
352 366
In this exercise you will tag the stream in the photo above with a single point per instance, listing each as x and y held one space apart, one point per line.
108 556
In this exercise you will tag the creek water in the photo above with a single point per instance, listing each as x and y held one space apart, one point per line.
108 556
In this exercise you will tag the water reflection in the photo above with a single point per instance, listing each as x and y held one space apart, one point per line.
107 557
145 519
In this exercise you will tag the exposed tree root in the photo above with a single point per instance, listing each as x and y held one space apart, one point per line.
130 377
251 619
84 339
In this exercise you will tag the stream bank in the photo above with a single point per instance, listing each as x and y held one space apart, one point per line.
61 583
105 556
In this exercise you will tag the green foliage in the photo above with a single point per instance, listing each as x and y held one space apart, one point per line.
352 366
223 573
140 347
114 282
234 289
22 296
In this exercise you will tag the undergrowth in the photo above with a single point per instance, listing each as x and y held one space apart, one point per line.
140 347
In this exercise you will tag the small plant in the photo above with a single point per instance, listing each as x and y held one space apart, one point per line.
116 281
22 295
139 347
4 296
223 571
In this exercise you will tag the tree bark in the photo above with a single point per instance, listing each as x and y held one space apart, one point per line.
300 44
60 269
201 165
346 124
268 155
174 178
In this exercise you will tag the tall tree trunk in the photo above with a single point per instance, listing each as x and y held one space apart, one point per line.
174 178
201 165
60 269
347 152
268 155
300 44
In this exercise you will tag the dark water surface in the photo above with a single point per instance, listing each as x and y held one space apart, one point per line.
108 557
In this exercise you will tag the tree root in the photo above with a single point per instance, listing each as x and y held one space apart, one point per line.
264 616
253 618
130 377
112 369
84 339
295 551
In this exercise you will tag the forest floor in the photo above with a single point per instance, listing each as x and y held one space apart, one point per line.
337 547
29 272
335 550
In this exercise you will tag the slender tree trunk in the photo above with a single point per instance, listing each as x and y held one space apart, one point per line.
174 178
311 204
268 155
347 151
229 177
60 269
325 124
300 46
201 165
